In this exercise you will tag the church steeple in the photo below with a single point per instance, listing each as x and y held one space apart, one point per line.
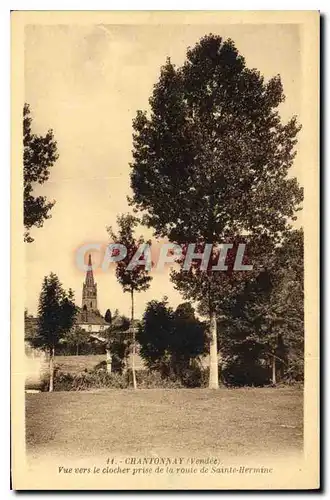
89 275
89 293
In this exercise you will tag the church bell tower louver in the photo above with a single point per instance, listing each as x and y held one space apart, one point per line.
89 294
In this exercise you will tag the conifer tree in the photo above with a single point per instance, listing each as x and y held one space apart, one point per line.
56 317
108 317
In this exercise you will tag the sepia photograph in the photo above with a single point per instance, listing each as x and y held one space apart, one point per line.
165 172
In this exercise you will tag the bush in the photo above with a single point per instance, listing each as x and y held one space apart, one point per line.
153 380
191 376
117 365
98 378
294 374
89 380
240 374
100 366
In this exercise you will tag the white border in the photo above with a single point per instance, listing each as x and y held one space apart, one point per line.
5 8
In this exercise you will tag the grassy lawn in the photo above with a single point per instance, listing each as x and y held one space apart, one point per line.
77 364
127 422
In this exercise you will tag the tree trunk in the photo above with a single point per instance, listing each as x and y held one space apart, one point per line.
109 360
274 370
77 351
51 369
214 374
133 340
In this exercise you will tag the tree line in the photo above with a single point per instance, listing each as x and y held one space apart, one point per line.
261 340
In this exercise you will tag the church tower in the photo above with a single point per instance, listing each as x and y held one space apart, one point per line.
89 294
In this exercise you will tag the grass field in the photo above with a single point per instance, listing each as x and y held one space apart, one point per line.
230 422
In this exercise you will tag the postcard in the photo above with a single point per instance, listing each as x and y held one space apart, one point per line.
165 250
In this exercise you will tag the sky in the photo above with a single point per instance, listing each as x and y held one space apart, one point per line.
86 83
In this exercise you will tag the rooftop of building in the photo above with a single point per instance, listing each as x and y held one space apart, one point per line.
90 318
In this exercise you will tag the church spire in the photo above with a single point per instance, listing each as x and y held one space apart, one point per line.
89 293
89 275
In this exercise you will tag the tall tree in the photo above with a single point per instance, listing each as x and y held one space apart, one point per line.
56 317
132 279
211 161
40 154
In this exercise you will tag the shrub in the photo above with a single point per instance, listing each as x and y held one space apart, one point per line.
294 374
102 365
89 380
99 379
240 374
191 376
153 380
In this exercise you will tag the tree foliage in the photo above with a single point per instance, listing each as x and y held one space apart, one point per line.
40 154
56 313
211 162
213 157
188 339
107 316
171 340
138 278
119 341
154 333
56 317
75 339
264 324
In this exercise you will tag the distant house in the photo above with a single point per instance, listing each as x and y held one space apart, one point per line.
91 321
